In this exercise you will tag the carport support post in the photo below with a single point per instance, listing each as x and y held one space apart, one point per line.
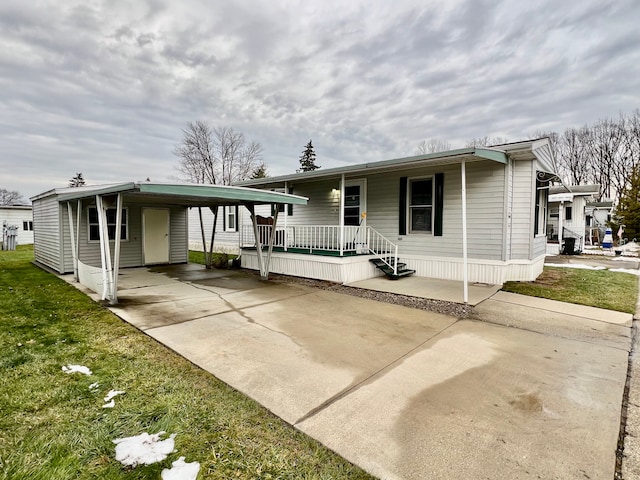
465 274
78 215
272 236
256 234
116 253
207 258
105 254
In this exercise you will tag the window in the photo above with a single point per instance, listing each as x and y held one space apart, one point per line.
352 205
281 205
542 193
94 226
568 211
231 219
27 225
420 205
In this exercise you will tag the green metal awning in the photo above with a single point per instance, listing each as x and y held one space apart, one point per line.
185 194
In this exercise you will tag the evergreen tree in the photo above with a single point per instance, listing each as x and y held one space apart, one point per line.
308 159
77 181
628 210
260 171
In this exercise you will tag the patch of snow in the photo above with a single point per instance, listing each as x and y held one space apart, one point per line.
143 449
625 270
111 404
94 386
112 393
181 470
76 369
574 265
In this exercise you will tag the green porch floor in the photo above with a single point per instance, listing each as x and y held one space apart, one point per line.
311 251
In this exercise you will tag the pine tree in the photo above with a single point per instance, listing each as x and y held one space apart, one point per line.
308 159
628 210
260 171
77 181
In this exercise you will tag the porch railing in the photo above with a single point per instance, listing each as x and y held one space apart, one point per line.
310 238
326 238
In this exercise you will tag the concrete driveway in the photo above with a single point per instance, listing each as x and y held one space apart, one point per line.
519 391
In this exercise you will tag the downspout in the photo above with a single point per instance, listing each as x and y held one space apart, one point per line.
342 215
78 215
465 274
74 253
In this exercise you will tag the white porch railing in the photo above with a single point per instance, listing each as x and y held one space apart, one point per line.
326 238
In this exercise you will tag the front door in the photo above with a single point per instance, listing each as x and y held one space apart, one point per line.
355 207
355 202
155 235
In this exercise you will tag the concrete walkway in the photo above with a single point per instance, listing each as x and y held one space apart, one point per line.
404 393
447 290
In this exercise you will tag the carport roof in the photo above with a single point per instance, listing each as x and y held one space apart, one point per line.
187 194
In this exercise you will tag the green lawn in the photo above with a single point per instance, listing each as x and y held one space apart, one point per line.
595 288
53 427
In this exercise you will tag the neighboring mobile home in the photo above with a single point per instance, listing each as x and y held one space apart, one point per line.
476 214
75 228
20 216
567 228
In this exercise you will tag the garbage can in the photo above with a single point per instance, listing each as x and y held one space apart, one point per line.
569 246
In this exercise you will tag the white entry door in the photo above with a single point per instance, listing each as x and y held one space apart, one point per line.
155 235
355 202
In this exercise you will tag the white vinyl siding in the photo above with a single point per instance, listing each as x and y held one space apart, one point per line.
224 240
46 236
522 209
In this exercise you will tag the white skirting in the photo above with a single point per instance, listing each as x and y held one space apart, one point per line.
352 269
90 277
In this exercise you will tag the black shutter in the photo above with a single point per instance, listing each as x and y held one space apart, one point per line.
402 207
224 219
236 219
290 206
439 204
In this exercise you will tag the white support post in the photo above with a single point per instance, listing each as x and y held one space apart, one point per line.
272 236
256 234
204 239
116 253
74 252
102 231
465 292
342 215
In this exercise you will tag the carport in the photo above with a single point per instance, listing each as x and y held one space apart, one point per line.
155 233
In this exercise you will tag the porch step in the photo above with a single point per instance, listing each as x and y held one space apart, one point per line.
401 270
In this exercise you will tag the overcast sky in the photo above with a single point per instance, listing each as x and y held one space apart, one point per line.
104 87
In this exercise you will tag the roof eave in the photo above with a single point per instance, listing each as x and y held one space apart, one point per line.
433 159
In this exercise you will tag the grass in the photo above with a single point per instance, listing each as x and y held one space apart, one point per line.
52 427
220 260
595 288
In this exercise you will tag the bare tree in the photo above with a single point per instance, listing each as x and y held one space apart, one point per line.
216 156
485 141
10 197
432 145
